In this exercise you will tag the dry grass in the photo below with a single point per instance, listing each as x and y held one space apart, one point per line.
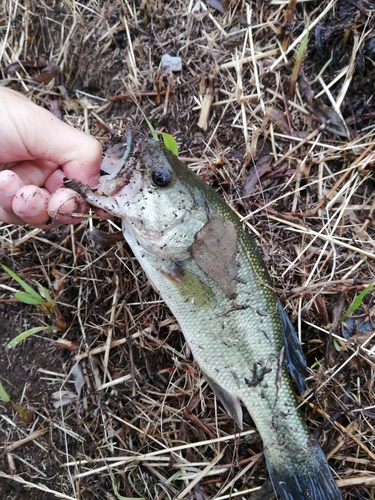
129 413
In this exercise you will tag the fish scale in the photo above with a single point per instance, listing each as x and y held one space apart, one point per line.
216 333
210 273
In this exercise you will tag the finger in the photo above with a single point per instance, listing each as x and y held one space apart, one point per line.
38 173
30 204
10 183
34 172
41 135
102 213
55 181
9 217
65 204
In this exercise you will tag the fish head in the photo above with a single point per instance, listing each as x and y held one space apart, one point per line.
158 198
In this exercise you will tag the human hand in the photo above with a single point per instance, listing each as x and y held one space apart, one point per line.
37 150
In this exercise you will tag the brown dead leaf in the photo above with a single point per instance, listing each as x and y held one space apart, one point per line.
322 308
327 115
254 175
63 398
219 5
39 62
322 112
48 73
279 119
288 22
49 69
104 239
72 105
207 96
337 313
360 338
54 106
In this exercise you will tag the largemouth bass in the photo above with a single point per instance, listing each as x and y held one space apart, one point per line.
209 272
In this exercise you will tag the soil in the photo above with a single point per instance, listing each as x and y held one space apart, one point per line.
283 157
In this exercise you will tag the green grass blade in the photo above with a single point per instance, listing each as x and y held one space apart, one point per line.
173 478
43 290
168 140
116 492
336 344
27 333
21 282
149 124
27 298
3 394
298 63
356 302
317 363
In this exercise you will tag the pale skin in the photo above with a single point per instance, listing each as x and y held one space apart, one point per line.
37 150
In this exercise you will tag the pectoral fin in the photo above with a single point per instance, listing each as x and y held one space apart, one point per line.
230 402
189 285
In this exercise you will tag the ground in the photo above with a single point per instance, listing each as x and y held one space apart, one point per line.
273 107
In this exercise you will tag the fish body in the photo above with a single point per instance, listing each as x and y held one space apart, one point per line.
209 272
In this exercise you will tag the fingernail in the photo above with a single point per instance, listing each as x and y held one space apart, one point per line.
30 201
94 180
64 203
10 183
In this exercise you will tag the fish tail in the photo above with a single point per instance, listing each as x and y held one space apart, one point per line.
309 479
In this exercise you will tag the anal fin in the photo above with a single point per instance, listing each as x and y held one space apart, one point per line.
294 358
230 402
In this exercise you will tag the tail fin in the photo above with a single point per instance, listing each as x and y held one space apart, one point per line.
309 480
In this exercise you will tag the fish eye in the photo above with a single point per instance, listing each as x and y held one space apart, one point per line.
161 177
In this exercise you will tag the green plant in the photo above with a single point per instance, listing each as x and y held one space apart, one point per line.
27 333
298 63
41 299
25 414
357 301
116 492
168 140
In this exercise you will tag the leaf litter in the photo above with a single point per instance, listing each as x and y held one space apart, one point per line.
142 423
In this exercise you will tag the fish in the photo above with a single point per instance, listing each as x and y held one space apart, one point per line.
209 271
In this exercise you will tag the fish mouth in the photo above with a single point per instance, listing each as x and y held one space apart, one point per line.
118 168
113 181
125 156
